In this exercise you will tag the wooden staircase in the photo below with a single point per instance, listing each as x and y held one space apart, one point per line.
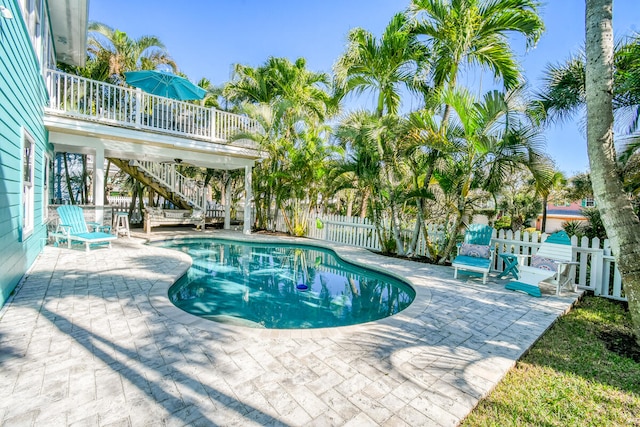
164 179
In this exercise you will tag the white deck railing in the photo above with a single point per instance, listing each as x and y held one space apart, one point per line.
596 269
81 98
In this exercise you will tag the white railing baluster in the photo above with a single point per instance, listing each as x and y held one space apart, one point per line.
87 99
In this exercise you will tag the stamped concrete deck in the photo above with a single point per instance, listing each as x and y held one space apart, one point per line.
90 339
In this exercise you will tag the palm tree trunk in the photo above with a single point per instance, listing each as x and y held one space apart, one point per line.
545 201
141 199
365 203
106 183
454 233
350 197
134 195
620 222
416 230
397 231
84 191
68 179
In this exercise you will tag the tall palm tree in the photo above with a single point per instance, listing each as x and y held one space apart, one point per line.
373 146
490 141
280 79
289 101
383 66
359 167
563 93
270 138
620 221
474 32
545 182
122 53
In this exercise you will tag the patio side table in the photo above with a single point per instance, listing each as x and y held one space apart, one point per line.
121 223
510 265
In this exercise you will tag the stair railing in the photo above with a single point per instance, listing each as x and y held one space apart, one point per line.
165 174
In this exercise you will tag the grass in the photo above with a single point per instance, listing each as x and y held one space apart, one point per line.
570 377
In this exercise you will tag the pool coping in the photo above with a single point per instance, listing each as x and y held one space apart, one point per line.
159 299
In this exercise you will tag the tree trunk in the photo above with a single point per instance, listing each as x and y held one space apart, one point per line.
365 203
416 230
454 233
134 195
140 200
68 179
620 222
106 183
84 195
396 228
545 201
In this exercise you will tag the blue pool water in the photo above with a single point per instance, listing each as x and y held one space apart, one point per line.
281 286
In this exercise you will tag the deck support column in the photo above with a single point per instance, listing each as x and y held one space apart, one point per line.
248 199
227 200
98 184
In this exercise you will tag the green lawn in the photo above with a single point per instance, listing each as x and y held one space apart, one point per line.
570 378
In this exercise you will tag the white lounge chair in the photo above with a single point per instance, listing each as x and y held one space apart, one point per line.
552 263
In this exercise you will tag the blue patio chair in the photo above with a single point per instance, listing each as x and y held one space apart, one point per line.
475 254
552 263
73 227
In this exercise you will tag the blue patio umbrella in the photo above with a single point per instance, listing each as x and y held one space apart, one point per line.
165 84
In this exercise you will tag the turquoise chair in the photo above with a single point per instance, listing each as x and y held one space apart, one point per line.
552 263
72 227
475 254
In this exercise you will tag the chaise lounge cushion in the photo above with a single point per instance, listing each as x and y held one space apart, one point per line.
544 263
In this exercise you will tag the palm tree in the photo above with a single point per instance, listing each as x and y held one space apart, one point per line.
280 79
474 32
122 53
359 167
373 147
267 174
545 183
382 66
289 102
620 221
211 97
563 94
491 140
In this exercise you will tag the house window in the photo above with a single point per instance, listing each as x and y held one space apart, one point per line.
27 184
588 202
33 15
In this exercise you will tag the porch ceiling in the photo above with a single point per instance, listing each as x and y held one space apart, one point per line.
69 20
74 136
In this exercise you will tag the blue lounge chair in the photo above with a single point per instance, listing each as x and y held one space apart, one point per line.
73 227
475 254
552 263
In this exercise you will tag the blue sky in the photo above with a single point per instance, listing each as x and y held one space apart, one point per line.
206 37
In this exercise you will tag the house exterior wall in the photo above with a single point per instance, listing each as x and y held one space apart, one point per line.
554 223
22 99
561 213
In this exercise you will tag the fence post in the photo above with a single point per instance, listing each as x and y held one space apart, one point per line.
603 286
597 261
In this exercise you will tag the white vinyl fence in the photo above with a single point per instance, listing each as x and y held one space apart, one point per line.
596 269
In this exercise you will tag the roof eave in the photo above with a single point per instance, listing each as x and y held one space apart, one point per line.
69 22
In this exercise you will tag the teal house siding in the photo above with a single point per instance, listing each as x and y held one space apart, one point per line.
22 99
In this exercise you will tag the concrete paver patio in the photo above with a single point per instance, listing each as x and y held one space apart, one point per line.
91 339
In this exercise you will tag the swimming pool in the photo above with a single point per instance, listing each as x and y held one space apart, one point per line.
279 286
